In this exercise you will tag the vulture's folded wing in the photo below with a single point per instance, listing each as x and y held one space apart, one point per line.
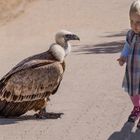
31 81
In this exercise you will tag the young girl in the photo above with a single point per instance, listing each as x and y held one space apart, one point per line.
131 55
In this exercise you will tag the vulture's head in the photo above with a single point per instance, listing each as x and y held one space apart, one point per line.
63 36
62 48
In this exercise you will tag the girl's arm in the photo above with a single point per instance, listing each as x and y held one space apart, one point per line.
126 50
124 54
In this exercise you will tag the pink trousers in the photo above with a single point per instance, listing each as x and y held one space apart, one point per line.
135 100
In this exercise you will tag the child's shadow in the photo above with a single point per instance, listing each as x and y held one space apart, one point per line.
126 133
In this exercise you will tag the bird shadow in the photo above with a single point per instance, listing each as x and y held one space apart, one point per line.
13 120
126 133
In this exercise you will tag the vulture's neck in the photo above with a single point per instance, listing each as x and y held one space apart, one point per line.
60 51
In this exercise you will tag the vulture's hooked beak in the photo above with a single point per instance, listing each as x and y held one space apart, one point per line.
71 37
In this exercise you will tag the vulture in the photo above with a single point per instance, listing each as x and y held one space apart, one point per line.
28 85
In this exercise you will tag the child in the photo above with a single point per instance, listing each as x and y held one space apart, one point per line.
131 55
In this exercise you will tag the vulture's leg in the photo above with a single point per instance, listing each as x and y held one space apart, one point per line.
46 115
43 114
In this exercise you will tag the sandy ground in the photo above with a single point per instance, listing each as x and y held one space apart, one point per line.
90 96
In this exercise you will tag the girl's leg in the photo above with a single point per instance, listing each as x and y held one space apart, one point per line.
136 110
135 100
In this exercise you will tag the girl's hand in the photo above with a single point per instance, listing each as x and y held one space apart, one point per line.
121 60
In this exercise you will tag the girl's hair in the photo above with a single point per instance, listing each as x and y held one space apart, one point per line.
135 7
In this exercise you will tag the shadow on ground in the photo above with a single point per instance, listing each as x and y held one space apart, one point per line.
120 34
13 120
126 133
103 48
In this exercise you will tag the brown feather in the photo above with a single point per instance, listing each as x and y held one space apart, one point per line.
19 108
33 83
29 84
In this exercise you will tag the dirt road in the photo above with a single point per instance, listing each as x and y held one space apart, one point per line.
90 96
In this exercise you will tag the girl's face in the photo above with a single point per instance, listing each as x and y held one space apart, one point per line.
135 22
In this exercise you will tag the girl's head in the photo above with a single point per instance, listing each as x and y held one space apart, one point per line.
134 14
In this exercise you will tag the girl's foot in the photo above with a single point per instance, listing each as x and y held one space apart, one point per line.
134 114
138 125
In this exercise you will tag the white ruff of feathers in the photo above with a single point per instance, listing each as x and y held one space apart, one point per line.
59 52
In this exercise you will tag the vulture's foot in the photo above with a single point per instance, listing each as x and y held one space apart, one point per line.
45 115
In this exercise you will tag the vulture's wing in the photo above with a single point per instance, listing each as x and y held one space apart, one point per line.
33 80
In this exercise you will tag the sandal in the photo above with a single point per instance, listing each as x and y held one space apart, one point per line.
138 124
134 114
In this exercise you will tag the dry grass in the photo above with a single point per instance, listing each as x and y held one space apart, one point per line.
10 9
